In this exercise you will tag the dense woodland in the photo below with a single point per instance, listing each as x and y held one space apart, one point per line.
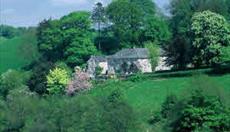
43 89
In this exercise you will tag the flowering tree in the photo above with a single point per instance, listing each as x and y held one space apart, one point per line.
211 34
79 82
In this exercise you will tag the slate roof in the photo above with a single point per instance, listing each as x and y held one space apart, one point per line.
140 53
136 53
99 58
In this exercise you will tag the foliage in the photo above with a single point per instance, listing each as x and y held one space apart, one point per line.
8 31
137 77
50 39
57 80
79 51
79 82
68 39
59 113
168 105
148 7
225 56
126 19
154 53
178 51
40 69
208 114
156 30
108 41
10 81
203 106
211 33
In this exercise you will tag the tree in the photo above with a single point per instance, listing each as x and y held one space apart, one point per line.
203 107
126 19
57 80
12 80
225 56
62 40
211 33
79 82
8 31
80 50
156 29
40 69
98 16
50 39
148 7
178 52
154 53
182 12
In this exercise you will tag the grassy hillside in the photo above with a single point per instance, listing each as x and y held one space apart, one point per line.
146 96
17 52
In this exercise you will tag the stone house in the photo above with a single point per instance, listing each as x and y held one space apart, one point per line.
125 62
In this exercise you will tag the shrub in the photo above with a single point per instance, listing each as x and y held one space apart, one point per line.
79 82
12 80
202 107
83 113
57 81
38 82
136 77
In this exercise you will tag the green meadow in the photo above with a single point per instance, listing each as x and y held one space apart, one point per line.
146 96
17 52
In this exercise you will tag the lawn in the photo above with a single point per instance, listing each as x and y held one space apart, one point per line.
17 52
146 96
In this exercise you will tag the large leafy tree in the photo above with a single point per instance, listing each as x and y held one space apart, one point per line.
49 36
78 35
135 22
126 19
182 11
57 39
156 29
148 7
80 50
211 33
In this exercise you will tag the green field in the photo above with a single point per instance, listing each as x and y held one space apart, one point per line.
146 96
17 52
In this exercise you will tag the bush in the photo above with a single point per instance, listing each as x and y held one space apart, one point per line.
79 82
12 80
37 82
136 77
83 113
202 107
57 81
